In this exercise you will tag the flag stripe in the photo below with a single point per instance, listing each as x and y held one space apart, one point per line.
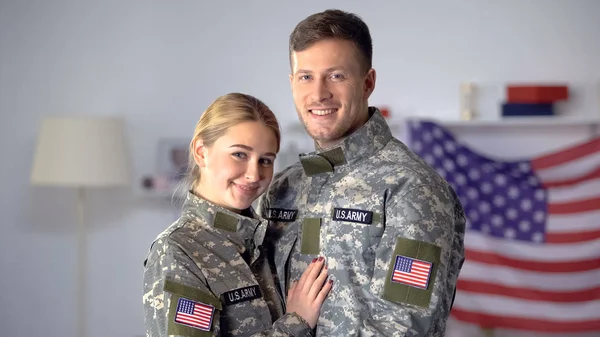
573 237
580 191
508 306
566 223
571 170
529 293
559 282
587 205
534 253
566 155
193 319
519 323
203 315
456 328
547 267
406 280
593 175
409 276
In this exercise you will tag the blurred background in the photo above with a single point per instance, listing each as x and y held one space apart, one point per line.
157 65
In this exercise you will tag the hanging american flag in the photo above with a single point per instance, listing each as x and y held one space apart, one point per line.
533 234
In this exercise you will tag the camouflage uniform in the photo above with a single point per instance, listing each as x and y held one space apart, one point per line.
211 262
389 226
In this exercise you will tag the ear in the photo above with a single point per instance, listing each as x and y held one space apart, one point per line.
199 152
291 79
369 83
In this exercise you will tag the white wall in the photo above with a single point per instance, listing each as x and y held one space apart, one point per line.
160 63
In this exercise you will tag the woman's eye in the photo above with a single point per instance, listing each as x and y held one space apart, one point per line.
266 161
240 155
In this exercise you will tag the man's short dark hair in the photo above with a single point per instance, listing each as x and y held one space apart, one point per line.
334 24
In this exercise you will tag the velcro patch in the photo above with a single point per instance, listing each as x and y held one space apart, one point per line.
194 314
193 293
412 272
281 214
353 215
242 295
311 236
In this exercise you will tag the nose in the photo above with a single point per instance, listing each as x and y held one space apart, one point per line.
253 172
321 91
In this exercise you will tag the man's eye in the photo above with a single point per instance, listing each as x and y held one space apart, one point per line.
304 77
337 76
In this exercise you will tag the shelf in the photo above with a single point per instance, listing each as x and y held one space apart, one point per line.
156 194
518 121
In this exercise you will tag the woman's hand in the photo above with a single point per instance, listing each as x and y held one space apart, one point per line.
306 296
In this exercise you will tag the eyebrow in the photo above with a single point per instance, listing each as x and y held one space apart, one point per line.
328 70
246 147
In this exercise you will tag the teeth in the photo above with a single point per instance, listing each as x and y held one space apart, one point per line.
247 188
323 112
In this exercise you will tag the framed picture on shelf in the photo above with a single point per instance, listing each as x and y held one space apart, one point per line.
173 158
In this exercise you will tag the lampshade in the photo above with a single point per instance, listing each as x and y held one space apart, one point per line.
82 151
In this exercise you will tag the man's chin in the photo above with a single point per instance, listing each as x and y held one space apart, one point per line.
319 134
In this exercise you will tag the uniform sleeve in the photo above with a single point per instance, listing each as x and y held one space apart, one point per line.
289 325
174 284
172 280
417 263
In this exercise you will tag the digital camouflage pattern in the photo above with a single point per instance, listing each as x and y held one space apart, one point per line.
213 256
361 205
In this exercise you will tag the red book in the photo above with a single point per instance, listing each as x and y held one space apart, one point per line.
536 93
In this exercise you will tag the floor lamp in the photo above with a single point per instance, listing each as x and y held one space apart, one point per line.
81 153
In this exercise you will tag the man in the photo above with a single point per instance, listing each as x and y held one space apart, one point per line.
389 226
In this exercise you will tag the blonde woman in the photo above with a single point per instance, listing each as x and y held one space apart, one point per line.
207 273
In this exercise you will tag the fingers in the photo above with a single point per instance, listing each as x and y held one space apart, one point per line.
318 283
304 276
314 272
292 289
310 274
324 292
312 279
307 295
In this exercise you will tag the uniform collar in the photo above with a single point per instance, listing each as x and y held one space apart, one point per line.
365 141
247 228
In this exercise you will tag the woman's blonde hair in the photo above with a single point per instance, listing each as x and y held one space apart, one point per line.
224 112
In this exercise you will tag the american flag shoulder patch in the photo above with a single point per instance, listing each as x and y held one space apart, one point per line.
194 314
411 272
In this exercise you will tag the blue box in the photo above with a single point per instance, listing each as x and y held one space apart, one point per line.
527 109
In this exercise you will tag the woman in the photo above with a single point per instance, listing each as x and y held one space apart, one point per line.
206 274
